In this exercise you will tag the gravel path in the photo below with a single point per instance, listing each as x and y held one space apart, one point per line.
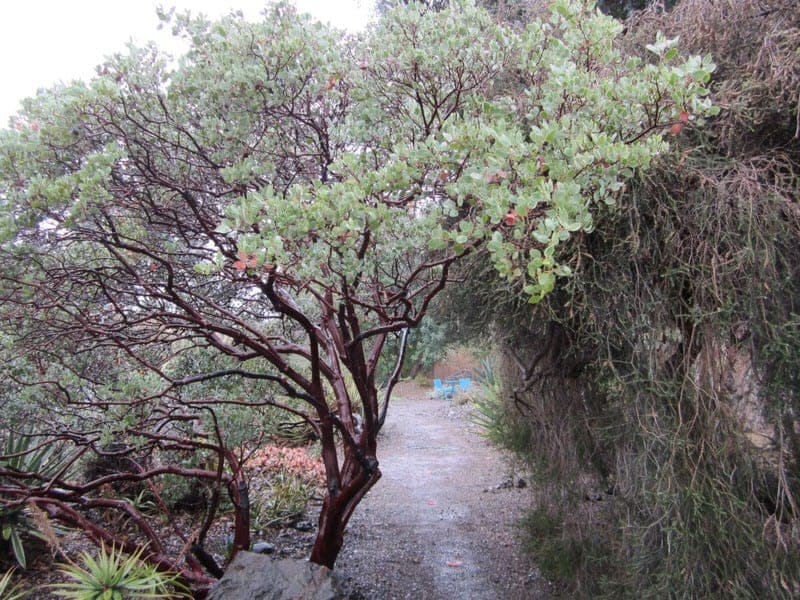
439 525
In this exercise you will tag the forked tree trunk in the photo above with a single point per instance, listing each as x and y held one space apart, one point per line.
337 509
347 486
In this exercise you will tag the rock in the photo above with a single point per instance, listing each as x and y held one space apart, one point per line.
263 548
256 577
521 483
304 526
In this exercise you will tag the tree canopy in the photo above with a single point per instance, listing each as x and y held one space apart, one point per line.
277 204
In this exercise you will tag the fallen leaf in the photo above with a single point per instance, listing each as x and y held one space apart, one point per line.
246 261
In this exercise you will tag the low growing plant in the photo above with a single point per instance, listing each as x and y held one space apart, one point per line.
12 524
8 591
490 412
112 576
24 454
557 556
289 494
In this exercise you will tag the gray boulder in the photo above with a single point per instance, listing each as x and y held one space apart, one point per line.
263 548
257 577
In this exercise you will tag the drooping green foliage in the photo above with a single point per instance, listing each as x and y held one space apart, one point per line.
423 102
657 389
247 229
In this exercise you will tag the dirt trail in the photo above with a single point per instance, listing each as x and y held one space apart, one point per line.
439 525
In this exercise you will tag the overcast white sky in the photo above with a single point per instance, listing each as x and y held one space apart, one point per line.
46 41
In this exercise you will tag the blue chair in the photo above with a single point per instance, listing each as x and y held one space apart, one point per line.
445 391
464 383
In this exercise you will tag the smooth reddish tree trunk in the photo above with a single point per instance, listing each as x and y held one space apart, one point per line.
337 509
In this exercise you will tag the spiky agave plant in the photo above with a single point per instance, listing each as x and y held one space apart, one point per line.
112 576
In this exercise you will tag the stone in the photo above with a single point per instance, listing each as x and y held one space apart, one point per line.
304 526
257 577
263 548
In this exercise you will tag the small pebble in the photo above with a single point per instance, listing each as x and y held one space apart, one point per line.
304 526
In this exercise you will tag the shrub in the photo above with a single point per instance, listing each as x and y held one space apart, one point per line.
665 369
24 453
500 425
557 556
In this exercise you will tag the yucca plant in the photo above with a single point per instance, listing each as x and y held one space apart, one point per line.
488 407
12 523
8 591
112 576
21 455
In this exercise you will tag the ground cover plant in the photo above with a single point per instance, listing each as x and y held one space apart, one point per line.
188 249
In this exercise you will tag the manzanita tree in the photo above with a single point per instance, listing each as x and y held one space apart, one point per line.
285 200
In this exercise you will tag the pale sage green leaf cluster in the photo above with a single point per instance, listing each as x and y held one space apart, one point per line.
462 134
344 159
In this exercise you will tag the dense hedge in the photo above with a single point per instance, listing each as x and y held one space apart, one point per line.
661 380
